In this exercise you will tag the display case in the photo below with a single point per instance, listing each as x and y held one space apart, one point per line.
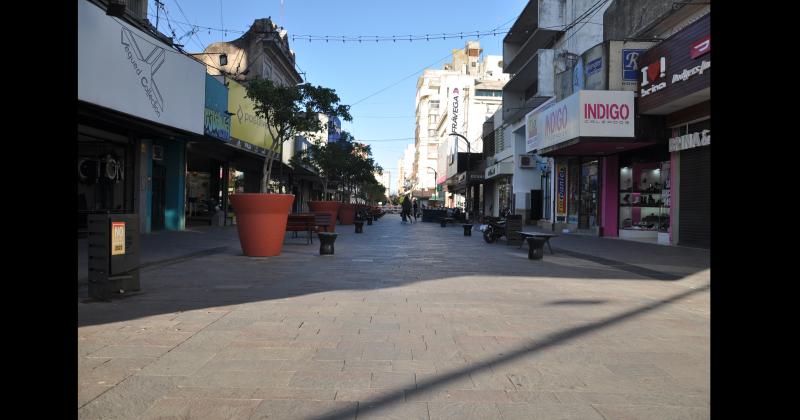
644 201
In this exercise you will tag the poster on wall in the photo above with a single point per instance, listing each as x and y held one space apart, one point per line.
117 238
561 190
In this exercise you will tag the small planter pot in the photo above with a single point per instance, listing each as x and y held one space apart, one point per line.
330 207
347 212
261 222
326 241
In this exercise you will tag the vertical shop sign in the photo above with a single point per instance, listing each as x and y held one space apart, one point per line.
561 190
117 238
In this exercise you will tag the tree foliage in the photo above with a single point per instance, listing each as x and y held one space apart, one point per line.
289 110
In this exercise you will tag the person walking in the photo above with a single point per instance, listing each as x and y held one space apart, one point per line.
407 208
416 209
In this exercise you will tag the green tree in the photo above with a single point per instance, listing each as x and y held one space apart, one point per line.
289 110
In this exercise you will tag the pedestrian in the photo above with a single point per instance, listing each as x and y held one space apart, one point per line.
406 208
416 210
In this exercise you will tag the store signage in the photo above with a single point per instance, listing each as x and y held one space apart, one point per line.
531 126
561 189
491 171
701 47
630 60
690 140
587 113
117 238
217 124
125 69
652 73
687 73
594 66
246 125
334 129
454 118
502 168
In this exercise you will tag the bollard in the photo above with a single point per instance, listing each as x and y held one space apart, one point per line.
443 222
326 240
467 229
535 248
359 226
369 221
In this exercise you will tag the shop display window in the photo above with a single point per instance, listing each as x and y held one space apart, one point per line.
645 197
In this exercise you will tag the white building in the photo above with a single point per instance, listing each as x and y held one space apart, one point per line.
538 55
457 98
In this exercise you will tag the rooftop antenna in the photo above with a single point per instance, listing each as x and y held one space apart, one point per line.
282 21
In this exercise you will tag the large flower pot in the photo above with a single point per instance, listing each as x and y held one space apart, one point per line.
347 213
330 207
261 222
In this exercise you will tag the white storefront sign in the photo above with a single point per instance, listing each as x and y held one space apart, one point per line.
587 113
690 140
532 128
125 69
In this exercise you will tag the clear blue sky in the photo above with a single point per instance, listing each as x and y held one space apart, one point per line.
356 70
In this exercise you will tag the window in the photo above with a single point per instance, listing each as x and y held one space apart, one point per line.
431 133
434 104
431 119
487 92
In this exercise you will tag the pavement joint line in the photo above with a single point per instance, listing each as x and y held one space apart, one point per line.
169 261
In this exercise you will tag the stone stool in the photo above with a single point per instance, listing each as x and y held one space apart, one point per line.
369 220
467 229
536 247
359 226
326 240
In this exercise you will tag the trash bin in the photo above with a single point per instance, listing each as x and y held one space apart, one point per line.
113 241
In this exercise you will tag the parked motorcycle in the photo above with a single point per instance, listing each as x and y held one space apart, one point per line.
495 226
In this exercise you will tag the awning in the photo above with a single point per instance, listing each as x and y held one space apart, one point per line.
589 146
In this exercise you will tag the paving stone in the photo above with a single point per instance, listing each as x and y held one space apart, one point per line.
392 380
463 411
183 408
178 363
397 411
642 412
270 409
130 351
238 379
548 411
328 380
129 399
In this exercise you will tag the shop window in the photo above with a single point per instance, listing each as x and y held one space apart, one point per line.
644 199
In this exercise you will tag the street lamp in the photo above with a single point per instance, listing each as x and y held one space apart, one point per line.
468 166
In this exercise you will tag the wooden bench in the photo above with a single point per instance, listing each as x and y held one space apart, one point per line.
322 220
301 222
536 242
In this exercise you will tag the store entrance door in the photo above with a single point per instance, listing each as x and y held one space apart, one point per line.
159 199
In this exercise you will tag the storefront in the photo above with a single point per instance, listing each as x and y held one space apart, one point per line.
580 134
674 86
498 188
139 103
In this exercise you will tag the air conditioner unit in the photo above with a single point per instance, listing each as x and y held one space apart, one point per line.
158 152
526 161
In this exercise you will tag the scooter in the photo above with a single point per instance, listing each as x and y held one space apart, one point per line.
496 226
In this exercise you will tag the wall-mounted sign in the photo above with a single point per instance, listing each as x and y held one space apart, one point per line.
676 73
117 238
498 169
334 129
561 189
125 69
630 64
217 124
701 47
594 66
652 75
588 113
578 80
246 126
690 140
531 126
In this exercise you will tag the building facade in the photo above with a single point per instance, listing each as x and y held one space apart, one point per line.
457 98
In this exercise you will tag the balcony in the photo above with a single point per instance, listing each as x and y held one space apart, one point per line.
529 88
539 23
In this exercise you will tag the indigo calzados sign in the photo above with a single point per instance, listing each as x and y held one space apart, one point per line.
587 113
127 70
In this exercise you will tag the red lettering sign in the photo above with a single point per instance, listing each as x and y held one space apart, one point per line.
701 47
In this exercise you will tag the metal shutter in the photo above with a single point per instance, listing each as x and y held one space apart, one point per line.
695 198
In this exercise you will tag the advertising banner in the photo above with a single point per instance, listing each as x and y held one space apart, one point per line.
246 126
130 71
334 129
531 126
117 238
561 189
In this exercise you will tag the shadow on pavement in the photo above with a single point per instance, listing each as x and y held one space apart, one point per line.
544 344
388 254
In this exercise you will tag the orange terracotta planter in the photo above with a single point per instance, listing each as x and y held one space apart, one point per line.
347 213
330 207
261 222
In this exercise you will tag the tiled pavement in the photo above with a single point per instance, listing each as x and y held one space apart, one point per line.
404 322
